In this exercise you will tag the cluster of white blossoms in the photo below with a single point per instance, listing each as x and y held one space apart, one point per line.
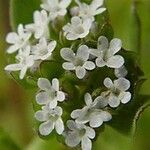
32 44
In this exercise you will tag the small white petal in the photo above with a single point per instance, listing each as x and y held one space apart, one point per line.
121 72
90 132
55 84
89 65
13 67
44 84
23 72
122 84
113 101
100 62
86 143
76 113
46 128
115 46
71 125
41 115
102 43
101 102
125 97
88 99
72 139
80 72
115 61
59 126
83 52
53 104
96 121
42 98
12 38
60 96
106 116
108 83
68 66
67 54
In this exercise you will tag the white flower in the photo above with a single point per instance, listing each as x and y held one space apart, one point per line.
49 94
105 53
40 26
92 112
121 72
51 119
79 133
88 11
78 28
18 40
117 91
56 8
43 50
78 62
25 61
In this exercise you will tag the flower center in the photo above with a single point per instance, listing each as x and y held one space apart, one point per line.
78 62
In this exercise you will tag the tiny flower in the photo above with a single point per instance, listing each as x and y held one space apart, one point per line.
25 61
78 28
88 11
18 40
92 112
51 119
40 26
78 62
43 50
56 8
105 53
79 133
117 91
121 72
49 94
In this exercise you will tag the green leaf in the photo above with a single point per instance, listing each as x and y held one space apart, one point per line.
51 69
21 11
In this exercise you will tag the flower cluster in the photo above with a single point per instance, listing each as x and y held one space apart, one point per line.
32 45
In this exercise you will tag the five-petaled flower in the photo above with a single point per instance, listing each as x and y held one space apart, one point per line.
43 50
25 61
49 93
78 62
105 53
40 26
51 119
79 133
117 91
86 11
92 112
18 40
56 8
78 28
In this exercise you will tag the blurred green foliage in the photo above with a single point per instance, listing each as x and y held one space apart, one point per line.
16 119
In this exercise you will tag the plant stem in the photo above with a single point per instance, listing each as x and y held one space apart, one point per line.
136 30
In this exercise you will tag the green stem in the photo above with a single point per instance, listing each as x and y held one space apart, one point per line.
136 30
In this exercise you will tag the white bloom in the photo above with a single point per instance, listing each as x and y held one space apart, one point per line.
105 53
25 61
43 50
78 28
78 62
49 94
121 72
56 8
88 11
92 112
79 133
117 91
51 119
40 26
18 40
